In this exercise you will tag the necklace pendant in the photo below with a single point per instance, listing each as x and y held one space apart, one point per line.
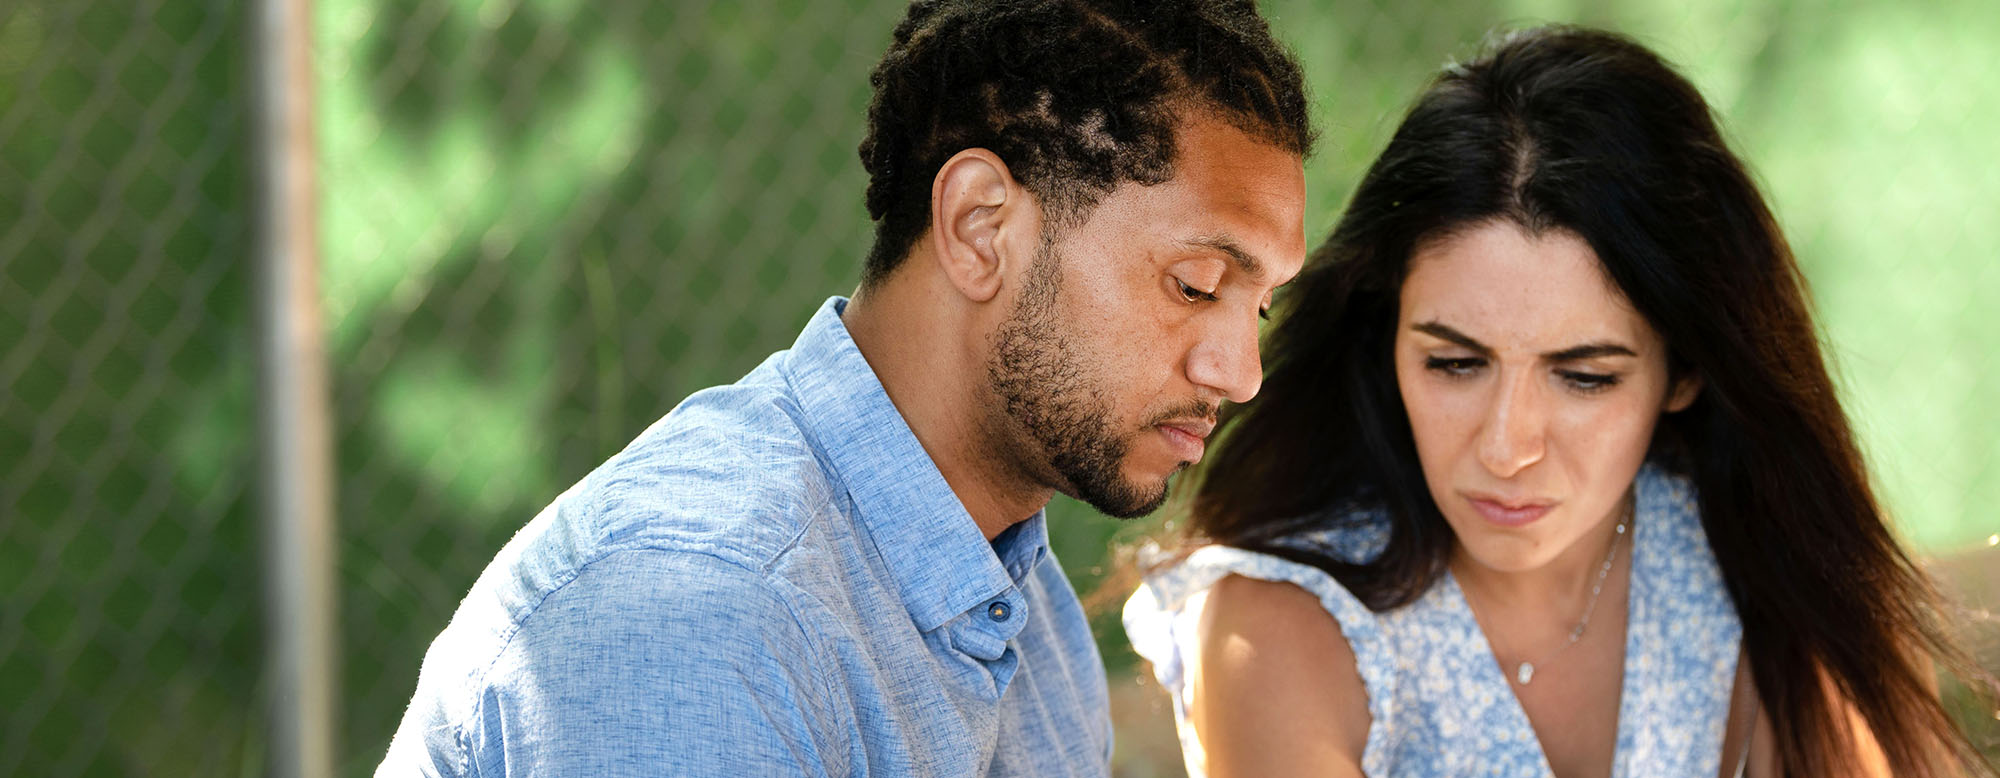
1526 673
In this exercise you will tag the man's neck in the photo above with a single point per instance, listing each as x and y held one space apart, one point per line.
927 354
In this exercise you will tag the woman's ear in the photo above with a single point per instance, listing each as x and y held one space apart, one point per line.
978 212
1683 392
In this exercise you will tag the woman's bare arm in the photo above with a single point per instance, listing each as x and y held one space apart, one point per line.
1274 690
1748 716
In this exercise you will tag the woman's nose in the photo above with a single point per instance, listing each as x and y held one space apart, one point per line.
1513 435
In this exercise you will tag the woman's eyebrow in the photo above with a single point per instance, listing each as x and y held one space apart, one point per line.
1589 351
1603 348
1443 331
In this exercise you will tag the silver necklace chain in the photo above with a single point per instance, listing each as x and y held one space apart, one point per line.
1525 672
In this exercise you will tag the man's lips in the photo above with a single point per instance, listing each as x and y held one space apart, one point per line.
1509 512
1197 428
1188 437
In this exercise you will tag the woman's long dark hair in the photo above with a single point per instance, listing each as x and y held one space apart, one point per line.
1569 129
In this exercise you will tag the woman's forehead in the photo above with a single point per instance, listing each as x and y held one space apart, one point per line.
1512 289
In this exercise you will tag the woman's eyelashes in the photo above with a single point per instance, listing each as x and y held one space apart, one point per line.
1588 383
1456 367
1582 381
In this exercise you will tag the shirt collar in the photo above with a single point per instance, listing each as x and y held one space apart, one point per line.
941 563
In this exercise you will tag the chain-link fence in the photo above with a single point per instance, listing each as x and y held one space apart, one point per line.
546 221
128 595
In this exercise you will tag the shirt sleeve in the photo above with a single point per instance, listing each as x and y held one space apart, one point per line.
658 663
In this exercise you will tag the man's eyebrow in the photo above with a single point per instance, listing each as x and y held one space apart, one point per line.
1248 264
1571 354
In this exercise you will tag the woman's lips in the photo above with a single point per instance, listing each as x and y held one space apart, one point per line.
1509 514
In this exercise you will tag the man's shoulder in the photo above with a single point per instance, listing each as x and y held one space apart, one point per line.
733 471
664 595
649 633
722 489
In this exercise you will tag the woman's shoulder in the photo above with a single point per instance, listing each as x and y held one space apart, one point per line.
1179 588
1267 631
1274 665
1176 582
1273 627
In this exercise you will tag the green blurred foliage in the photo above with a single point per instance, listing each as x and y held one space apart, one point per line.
546 221
128 602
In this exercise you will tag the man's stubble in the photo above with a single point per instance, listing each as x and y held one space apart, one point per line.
1049 391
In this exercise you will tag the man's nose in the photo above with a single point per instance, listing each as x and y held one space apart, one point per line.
1227 362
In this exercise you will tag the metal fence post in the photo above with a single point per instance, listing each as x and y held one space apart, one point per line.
303 646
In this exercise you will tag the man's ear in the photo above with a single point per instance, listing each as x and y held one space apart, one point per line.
1683 392
979 215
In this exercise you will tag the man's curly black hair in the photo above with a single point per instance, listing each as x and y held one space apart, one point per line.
1076 96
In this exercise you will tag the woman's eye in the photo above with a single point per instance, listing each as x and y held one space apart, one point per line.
1587 382
1192 294
1454 366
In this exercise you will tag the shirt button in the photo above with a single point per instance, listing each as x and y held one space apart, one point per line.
998 611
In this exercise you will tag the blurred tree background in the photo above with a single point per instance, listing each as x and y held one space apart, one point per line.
546 221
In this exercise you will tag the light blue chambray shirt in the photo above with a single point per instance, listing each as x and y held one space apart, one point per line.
774 579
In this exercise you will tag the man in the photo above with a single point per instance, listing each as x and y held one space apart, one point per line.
838 565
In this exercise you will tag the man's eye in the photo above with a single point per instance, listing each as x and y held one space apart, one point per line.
1454 366
1192 294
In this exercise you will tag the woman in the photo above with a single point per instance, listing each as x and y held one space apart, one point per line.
1547 475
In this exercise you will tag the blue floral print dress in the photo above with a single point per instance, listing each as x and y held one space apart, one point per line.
1438 700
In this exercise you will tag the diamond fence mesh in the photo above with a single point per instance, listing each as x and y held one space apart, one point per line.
546 221
128 627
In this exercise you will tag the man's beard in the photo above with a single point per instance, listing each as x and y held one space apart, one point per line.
1046 389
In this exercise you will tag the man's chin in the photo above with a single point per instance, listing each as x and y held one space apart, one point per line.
1131 510
1127 501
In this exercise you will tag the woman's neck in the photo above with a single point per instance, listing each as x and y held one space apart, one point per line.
1563 584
